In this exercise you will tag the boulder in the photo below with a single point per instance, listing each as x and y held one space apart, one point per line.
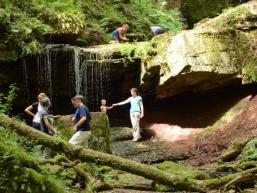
217 52
100 130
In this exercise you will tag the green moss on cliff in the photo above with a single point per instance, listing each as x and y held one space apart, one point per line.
250 72
199 9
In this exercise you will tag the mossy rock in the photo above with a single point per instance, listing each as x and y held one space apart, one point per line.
250 151
100 129
174 168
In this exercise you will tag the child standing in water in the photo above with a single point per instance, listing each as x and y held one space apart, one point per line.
103 107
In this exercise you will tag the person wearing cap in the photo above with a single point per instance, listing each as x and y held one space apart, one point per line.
46 123
119 34
81 120
157 30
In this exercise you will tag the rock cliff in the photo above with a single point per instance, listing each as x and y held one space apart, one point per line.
217 52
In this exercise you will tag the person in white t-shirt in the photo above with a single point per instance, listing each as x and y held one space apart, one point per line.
33 110
136 111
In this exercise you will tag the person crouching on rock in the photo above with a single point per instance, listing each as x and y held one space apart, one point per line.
81 120
157 30
119 35
136 111
46 122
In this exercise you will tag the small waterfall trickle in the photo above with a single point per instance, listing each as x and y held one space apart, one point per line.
25 80
63 71
93 78
44 70
77 68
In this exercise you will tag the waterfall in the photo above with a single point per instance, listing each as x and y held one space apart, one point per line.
26 81
78 74
93 78
44 71
62 71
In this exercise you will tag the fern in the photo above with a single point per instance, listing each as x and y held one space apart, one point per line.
6 102
36 150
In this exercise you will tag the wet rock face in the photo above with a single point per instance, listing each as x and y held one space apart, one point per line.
62 71
214 54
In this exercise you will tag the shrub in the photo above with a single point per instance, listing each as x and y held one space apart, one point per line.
6 102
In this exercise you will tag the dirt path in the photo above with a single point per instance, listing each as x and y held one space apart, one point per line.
242 126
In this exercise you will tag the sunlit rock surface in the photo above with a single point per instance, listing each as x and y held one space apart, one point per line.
216 53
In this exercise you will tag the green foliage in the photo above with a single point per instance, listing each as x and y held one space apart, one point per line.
24 25
6 102
250 151
250 71
64 130
140 15
20 171
175 168
63 16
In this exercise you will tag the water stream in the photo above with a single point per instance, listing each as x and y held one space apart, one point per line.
93 78
69 71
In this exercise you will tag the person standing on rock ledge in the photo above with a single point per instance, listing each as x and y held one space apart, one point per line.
119 35
136 111
81 119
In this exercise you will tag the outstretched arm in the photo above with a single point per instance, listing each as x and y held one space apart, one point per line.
121 103
28 110
55 116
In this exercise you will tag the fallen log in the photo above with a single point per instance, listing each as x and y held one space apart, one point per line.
234 150
87 155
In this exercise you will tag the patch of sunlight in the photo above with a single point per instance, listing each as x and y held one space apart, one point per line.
173 133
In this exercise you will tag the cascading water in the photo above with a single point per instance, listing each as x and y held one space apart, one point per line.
44 70
93 80
77 69
26 81
63 71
